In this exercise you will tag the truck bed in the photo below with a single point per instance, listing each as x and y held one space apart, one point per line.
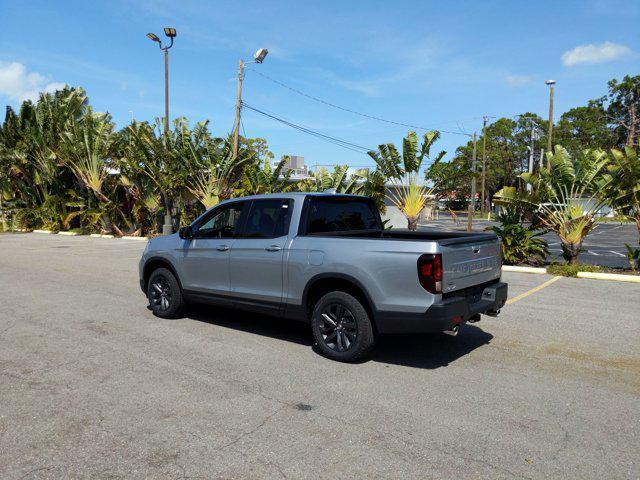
442 237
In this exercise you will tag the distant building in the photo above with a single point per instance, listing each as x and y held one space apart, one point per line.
297 165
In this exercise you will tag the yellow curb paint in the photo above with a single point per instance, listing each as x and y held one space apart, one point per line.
533 290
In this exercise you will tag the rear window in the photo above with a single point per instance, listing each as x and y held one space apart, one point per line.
336 214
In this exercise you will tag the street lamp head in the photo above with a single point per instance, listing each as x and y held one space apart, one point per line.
170 32
153 37
550 82
260 55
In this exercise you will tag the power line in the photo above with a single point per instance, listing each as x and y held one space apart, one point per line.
345 109
334 140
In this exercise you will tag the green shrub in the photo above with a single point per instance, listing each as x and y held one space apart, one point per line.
566 270
520 244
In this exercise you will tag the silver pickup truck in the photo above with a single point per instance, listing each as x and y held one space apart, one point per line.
325 259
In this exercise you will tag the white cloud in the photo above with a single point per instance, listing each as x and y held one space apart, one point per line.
517 80
592 54
18 84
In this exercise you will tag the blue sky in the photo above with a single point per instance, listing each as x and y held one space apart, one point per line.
440 65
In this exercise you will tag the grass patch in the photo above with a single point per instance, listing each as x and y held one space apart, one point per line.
572 270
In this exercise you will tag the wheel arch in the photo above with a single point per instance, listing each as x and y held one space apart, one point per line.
324 283
153 264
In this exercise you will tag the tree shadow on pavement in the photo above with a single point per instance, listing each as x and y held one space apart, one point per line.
427 351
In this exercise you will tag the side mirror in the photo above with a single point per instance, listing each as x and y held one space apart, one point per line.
185 233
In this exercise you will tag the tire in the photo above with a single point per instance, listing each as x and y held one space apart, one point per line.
164 294
342 328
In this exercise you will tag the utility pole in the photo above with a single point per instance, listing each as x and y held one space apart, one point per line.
472 203
551 83
484 160
236 125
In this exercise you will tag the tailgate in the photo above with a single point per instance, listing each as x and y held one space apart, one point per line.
470 263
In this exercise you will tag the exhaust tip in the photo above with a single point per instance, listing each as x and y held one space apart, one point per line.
453 332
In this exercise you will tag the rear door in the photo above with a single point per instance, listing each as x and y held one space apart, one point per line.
256 259
206 257
470 262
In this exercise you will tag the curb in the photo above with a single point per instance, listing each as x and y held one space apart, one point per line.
48 232
140 239
610 276
514 268
97 235
69 234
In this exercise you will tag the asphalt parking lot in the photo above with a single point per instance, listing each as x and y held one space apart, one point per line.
604 246
94 386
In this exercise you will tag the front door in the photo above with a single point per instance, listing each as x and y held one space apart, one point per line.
206 256
256 260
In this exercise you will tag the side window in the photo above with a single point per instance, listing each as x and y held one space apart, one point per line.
224 222
268 219
336 214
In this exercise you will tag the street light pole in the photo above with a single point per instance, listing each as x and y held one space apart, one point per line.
551 83
167 228
258 57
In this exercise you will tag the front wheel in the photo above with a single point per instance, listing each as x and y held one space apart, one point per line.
342 327
164 294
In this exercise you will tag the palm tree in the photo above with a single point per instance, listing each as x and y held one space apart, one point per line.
567 196
266 179
86 148
410 197
393 166
624 185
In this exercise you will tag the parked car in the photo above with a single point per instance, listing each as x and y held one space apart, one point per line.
325 259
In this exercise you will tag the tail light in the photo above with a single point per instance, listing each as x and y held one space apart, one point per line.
430 272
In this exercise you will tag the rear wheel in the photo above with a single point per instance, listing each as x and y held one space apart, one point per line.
342 327
164 294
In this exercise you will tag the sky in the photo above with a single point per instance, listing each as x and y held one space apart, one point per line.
435 65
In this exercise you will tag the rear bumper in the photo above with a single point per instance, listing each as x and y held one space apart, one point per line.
445 314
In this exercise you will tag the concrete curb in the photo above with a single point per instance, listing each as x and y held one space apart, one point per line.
514 268
69 234
140 239
48 232
616 277
97 235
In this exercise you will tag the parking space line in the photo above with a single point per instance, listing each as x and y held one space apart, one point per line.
533 290
617 253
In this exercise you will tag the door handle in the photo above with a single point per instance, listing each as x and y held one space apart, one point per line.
273 248
222 248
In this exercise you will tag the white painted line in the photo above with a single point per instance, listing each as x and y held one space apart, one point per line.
514 268
43 231
71 234
591 252
619 254
610 276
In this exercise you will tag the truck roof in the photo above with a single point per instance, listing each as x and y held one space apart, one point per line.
293 195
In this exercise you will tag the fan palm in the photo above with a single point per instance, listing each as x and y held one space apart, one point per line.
410 197
394 166
86 148
266 179
567 196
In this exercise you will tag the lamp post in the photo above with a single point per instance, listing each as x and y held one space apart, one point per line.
551 83
258 57
167 228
